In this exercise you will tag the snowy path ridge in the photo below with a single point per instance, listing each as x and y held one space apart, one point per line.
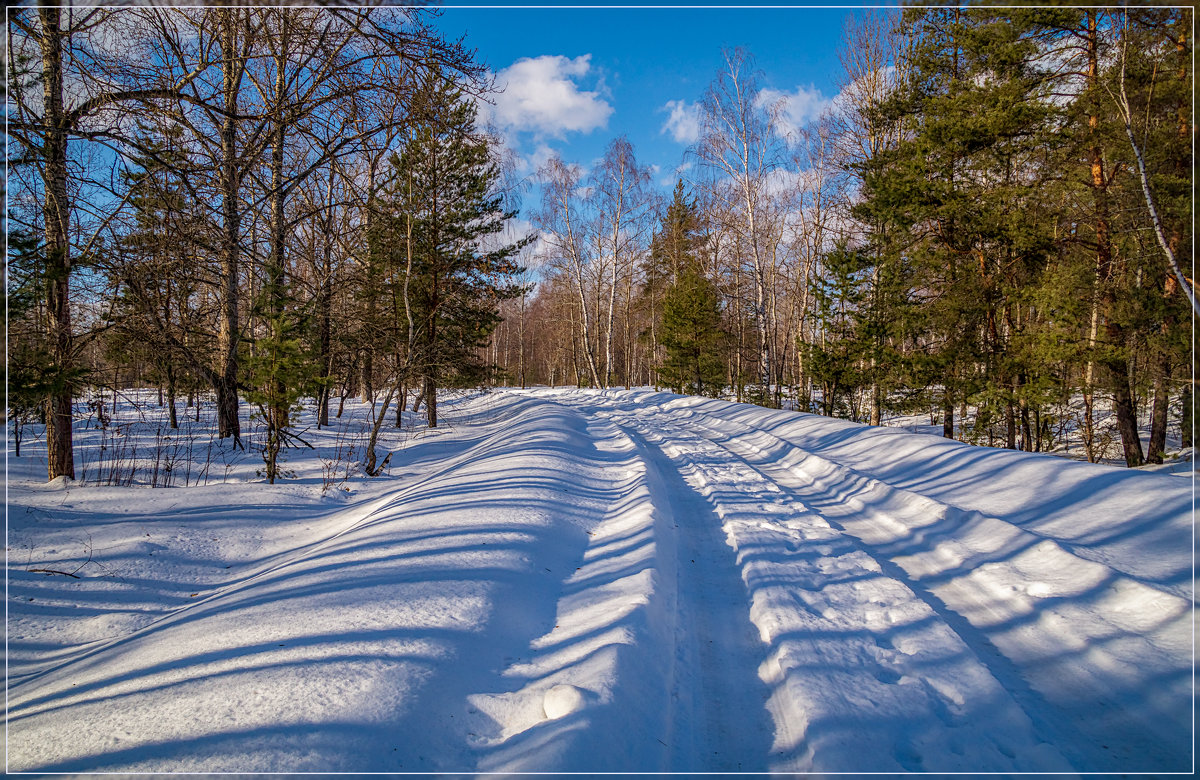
596 668
991 643
404 615
590 581
844 639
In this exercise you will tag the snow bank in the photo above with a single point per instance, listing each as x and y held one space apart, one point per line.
582 581
288 637
1080 576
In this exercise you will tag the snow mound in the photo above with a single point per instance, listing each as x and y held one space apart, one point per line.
562 700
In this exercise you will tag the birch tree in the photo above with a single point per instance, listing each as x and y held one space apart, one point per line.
564 231
739 143
621 200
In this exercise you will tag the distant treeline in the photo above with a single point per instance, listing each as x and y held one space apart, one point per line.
995 213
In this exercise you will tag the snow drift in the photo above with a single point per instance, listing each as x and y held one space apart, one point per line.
613 581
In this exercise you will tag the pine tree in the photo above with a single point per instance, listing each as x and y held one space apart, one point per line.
1118 311
151 274
280 371
836 360
685 306
692 335
33 375
675 248
965 181
449 269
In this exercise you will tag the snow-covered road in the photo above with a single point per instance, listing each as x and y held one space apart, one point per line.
617 581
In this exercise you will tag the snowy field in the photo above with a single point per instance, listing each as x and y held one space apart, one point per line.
561 580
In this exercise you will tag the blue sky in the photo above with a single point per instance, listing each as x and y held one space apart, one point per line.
579 77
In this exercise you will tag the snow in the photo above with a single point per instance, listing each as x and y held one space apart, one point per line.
584 581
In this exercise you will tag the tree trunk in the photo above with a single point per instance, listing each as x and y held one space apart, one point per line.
1158 414
1118 369
608 336
325 309
521 343
431 401
738 378
589 350
947 417
323 403
1131 443
628 363
1088 434
369 466
171 396
1027 442
56 214
277 411
1010 425
1186 415
228 336
227 409
366 391
876 344
764 340
575 357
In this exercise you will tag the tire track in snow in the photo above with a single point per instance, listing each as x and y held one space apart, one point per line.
601 667
718 720
865 675
1064 632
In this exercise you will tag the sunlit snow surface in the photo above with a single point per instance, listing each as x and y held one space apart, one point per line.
604 581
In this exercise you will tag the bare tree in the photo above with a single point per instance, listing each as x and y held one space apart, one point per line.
817 212
70 48
565 233
621 200
740 144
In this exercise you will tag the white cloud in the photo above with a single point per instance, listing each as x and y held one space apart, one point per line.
796 109
782 181
683 121
530 163
542 95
